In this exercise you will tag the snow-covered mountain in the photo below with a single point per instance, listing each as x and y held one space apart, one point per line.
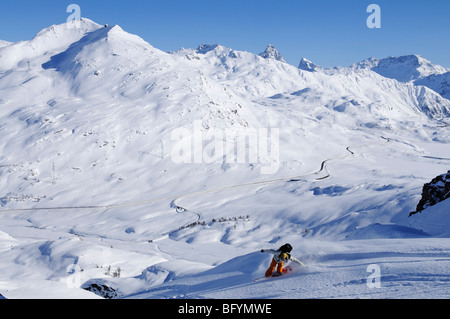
410 68
407 68
120 168
439 83
272 53
307 65
4 43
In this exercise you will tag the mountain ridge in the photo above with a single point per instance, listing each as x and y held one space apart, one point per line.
410 67
159 174
118 78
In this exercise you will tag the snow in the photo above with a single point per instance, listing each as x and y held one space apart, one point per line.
437 82
90 192
272 53
407 68
410 68
307 65
4 43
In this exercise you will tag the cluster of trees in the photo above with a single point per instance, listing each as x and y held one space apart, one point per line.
220 220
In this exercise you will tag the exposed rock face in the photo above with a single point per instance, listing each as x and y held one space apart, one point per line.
307 65
101 289
434 192
272 53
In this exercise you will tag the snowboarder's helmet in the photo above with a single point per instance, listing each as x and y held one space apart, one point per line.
286 248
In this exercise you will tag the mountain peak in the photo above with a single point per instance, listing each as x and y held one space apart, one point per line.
272 53
4 43
48 42
92 45
368 63
407 68
58 37
80 26
205 48
307 65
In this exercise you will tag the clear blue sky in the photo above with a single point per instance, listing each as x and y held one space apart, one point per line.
328 32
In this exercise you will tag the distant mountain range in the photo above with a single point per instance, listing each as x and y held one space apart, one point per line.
85 86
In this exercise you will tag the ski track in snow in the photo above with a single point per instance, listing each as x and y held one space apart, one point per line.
90 193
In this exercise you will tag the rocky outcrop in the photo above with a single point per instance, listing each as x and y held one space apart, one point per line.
434 192
101 289
272 53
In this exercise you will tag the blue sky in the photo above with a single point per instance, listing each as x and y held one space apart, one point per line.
328 32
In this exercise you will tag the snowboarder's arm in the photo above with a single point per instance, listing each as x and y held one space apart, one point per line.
269 251
296 261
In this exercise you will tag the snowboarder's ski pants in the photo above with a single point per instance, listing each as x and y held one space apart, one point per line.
272 267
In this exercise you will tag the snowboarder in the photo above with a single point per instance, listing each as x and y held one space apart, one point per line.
281 256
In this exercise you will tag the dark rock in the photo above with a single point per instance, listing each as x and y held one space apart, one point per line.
434 192
101 290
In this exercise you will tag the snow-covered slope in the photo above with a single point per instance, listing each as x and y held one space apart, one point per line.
93 194
438 82
403 68
410 68
4 43
45 44
434 220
